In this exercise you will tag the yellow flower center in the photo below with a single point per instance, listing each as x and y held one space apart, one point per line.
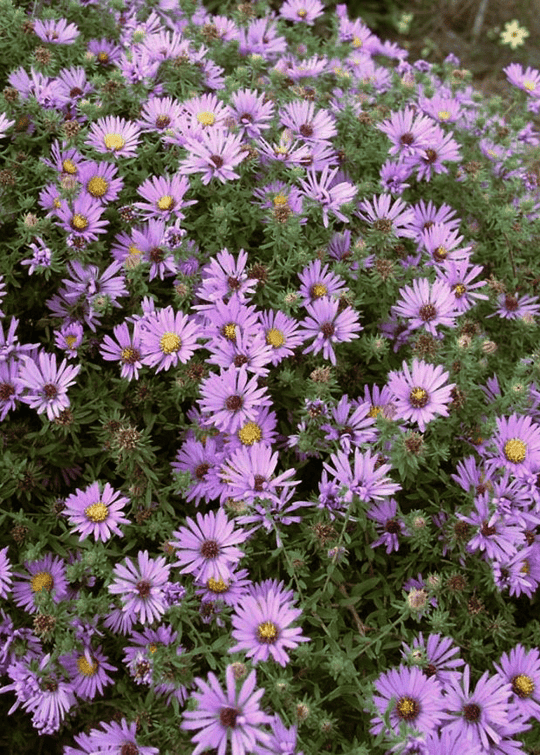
206 118
114 141
68 166
301 12
522 685
133 250
229 331
166 202
42 581
407 708
357 42
152 648
418 397
217 586
459 290
374 411
128 355
170 343
525 567
70 340
249 434
97 186
267 632
281 151
103 57
515 450
97 512
79 222
56 203
318 290
280 199
85 668
444 115
530 85
275 338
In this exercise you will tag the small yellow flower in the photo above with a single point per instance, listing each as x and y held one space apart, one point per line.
514 35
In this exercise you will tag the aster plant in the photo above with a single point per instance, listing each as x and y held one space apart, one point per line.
269 388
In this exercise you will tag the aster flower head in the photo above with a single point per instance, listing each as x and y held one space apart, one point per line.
388 524
327 325
362 475
302 11
229 715
5 573
516 306
115 136
232 398
118 738
480 714
56 32
46 384
208 547
317 281
46 575
141 587
164 197
262 627
126 349
438 656
168 338
420 392
249 474
408 131
304 123
281 333
521 669
100 180
330 193
83 218
386 215
251 113
215 154
528 80
87 669
411 698
427 305
225 276
96 511
517 441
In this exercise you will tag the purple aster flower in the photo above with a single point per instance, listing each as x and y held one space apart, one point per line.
528 80
442 148
168 338
5 573
350 424
514 307
83 219
420 392
127 349
327 325
232 398
225 276
393 176
282 334
72 86
48 573
262 627
88 672
441 108
302 11
100 181
10 388
250 350
115 136
521 669
481 714
304 123
408 131
56 32
207 112
261 38
427 305
451 742
41 257
230 591
385 217
141 587
47 386
202 461
282 740
410 698
96 512
283 200
226 319
437 656
388 524
207 547
164 197
249 474
318 281
160 113
69 338
227 716
520 574
460 276
44 693
254 432
140 657
105 51
5 123
442 243
284 151
115 739
494 535
379 401
328 192
148 243
517 442
251 113
426 215
363 475
215 154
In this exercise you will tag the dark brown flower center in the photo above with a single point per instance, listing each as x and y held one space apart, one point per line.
427 312
306 129
259 481
233 403
162 121
431 155
217 160
392 526
228 716
510 303
6 390
407 138
407 708
327 329
471 712
143 588
486 530
201 470
129 748
50 390
210 549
